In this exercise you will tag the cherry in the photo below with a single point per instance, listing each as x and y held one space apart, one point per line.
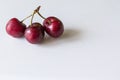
34 33
15 28
53 27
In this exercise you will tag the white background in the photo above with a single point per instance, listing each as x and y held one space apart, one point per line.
88 50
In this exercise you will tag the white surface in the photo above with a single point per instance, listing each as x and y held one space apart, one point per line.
88 50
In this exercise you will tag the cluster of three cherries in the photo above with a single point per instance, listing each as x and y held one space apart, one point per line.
35 32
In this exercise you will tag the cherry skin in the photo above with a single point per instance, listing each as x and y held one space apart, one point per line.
15 28
53 27
34 33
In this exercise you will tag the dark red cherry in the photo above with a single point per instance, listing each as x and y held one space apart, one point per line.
53 27
15 28
34 33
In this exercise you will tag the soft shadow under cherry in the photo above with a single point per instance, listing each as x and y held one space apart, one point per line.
69 36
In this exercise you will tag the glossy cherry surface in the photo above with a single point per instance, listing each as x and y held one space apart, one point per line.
15 28
34 33
53 27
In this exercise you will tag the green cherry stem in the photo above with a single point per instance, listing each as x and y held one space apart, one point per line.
35 11
41 15
26 18
32 17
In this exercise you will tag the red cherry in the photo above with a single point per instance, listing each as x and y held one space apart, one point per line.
53 26
15 28
34 33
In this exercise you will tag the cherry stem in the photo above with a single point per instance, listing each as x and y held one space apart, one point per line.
41 15
32 17
37 11
26 18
